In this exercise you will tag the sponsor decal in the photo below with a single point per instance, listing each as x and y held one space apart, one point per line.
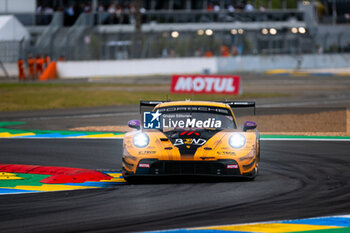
189 133
226 153
191 123
152 120
193 108
232 166
144 165
190 141
220 84
155 120
147 152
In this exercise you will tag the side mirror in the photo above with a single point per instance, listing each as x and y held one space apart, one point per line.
249 125
135 124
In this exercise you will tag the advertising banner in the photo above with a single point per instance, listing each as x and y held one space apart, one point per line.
206 84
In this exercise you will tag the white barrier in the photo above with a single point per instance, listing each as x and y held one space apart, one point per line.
169 66
163 66
11 69
288 62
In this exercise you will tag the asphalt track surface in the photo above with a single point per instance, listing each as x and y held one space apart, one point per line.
297 179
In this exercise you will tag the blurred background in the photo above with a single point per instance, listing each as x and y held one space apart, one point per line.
116 52
127 29
79 68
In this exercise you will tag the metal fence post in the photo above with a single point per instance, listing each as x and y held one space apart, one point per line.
4 69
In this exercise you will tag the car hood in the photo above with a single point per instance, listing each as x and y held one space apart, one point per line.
188 141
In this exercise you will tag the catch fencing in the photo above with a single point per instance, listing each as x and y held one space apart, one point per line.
10 51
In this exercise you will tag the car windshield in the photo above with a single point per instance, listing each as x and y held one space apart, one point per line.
195 117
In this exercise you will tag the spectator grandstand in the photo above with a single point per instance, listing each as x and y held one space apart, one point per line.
123 29
121 11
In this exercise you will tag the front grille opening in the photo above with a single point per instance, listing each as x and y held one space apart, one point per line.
192 168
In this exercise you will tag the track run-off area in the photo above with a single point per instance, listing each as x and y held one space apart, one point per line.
300 177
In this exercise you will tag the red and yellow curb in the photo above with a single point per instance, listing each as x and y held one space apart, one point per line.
33 178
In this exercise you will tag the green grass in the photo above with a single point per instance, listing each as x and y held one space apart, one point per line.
35 96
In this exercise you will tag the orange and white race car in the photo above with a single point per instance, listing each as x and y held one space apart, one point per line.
199 138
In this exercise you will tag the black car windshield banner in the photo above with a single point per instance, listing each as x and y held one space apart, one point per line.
185 117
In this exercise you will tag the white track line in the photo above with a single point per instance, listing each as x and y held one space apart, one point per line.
306 103
83 116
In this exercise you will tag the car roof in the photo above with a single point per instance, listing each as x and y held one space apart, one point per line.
192 103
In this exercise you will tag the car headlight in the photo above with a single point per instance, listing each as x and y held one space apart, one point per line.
237 141
141 140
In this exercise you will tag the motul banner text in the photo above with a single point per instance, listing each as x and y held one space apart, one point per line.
205 84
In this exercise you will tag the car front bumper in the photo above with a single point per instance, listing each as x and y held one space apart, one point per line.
154 167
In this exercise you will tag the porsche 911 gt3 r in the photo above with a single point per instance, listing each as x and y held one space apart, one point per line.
199 138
